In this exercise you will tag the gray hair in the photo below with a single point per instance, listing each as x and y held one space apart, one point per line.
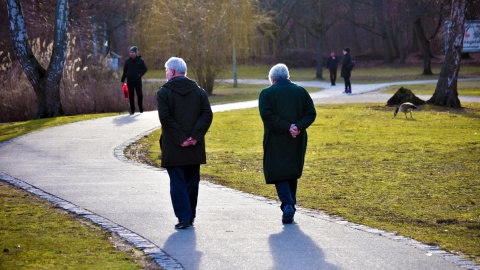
279 71
176 64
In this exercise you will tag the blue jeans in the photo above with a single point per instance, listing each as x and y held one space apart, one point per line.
184 182
287 192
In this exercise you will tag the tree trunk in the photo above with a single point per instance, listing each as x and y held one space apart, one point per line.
425 45
391 43
318 55
380 18
46 83
446 91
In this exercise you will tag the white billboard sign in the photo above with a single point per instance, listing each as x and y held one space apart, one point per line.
471 40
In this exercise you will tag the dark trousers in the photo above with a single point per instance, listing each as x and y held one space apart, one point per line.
333 75
184 182
348 85
135 85
287 192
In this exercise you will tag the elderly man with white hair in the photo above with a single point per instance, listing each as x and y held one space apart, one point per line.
286 110
186 116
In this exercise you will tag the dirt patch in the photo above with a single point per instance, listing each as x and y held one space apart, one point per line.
404 95
137 152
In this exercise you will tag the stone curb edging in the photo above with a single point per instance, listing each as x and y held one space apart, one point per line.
148 248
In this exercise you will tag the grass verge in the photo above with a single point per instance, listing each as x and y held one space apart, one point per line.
35 234
12 130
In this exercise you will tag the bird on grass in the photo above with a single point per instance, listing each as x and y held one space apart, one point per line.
405 108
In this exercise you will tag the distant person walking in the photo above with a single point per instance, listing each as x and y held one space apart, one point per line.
287 111
332 63
133 70
347 66
185 115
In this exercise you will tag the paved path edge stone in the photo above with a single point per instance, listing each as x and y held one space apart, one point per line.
151 250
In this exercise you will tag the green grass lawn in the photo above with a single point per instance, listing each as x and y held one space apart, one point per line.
417 177
35 234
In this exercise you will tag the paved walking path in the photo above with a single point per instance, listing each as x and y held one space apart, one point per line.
81 168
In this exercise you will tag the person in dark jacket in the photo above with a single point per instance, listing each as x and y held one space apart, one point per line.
287 111
133 70
332 63
347 66
185 116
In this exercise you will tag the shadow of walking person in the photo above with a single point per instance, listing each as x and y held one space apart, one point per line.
181 245
293 249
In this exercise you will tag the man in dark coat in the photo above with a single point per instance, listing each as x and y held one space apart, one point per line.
185 115
286 110
347 66
332 63
133 70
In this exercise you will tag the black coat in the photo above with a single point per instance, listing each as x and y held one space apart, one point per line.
332 63
347 66
184 111
134 68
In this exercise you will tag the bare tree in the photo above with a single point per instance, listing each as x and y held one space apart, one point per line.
201 32
446 90
45 82
283 17
316 17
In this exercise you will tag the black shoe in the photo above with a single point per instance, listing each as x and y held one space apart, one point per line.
141 110
288 213
182 225
131 113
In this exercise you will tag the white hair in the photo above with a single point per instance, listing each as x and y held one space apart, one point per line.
279 71
176 64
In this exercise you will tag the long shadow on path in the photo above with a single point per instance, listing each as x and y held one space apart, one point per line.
185 240
293 249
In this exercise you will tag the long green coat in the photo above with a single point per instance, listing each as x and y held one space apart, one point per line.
282 104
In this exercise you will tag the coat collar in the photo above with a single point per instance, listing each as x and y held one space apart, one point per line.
282 81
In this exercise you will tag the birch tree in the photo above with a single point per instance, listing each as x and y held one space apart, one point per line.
45 82
446 90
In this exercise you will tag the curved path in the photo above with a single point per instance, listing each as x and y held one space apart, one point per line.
81 168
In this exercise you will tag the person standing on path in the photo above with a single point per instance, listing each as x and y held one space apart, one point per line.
287 111
133 70
185 116
347 66
332 63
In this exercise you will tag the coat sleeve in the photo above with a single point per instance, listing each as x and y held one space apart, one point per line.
273 121
124 75
205 118
309 113
170 128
